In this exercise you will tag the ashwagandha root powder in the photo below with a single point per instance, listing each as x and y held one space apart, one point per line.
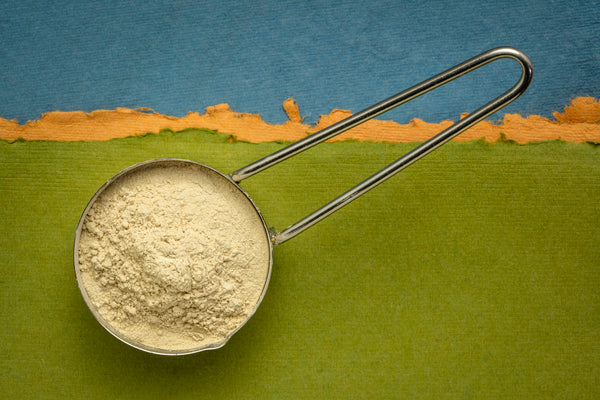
173 256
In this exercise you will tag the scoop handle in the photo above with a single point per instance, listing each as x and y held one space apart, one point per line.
382 107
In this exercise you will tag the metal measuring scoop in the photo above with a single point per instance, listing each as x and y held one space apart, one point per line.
271 237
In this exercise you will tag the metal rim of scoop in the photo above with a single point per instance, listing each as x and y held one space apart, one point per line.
418 152
133 170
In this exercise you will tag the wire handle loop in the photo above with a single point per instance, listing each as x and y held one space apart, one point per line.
380 108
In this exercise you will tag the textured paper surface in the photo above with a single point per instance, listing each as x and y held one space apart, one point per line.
181 56
472 274
580 123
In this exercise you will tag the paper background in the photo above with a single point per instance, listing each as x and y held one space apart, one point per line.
473 274
181 56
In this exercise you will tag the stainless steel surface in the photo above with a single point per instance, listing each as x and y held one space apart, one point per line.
380 108
274 238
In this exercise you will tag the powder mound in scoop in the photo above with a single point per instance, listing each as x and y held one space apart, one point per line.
173 256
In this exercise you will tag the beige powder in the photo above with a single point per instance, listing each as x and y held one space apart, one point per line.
173 256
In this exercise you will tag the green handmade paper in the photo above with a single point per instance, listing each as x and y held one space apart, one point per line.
474 273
